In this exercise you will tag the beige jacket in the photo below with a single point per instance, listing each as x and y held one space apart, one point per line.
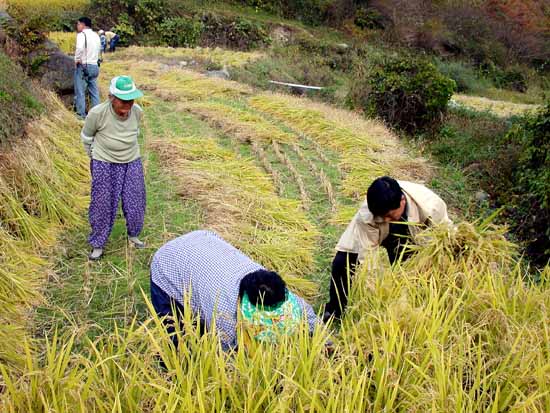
367 232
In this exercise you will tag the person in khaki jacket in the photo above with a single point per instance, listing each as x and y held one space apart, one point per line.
392 214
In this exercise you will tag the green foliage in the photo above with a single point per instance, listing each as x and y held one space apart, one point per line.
148 14
531 192
511 78
309 11
181 32
124 29
18 101
233 32
368 18
409 93
466 77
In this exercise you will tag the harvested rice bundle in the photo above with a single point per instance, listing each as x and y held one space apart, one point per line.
264 161
238 122
190 85
21 274
285 160
320 174
241 205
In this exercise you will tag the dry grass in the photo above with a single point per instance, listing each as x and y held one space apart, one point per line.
497 107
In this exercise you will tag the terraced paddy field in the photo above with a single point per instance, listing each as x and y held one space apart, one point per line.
456 328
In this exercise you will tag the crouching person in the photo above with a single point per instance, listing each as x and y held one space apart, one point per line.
393 213
220 284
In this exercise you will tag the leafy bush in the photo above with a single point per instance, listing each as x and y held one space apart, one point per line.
531 195
309 11
369 18
181 31
511 78
237 33
149 14
18 100
466 77
409 93
124 29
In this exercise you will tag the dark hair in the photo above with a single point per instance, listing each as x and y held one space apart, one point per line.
263 288
86 20
383 195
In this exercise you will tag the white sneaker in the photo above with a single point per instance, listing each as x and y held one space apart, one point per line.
96 254
137 242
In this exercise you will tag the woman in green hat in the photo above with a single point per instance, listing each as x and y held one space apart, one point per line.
110 137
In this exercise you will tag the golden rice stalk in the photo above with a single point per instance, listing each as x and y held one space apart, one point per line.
167 81
264 161
238 122
320 174
284 159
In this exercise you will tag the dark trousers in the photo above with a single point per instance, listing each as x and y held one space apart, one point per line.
169 309
344 264
343 268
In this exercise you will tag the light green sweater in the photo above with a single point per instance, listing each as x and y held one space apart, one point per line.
109 138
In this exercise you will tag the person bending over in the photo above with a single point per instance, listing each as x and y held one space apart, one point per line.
221 284
393 213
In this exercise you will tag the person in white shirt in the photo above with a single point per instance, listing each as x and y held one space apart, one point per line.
86 56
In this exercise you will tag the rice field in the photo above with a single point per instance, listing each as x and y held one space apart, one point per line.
497 107
64 40
199 55
457 328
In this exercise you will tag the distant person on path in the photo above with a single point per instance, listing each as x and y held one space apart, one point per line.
103 40
112 39
223 284
86 56
110 137
392 214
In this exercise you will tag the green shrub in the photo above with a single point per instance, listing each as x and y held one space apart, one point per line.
149 14
511 78
237 33
368 18
466 77
124 29
530 196
309 11
18 101
409 93
181 32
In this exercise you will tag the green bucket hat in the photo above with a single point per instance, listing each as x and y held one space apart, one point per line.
124 88
268 323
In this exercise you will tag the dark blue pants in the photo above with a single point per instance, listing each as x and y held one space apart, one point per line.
169 308
172 311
